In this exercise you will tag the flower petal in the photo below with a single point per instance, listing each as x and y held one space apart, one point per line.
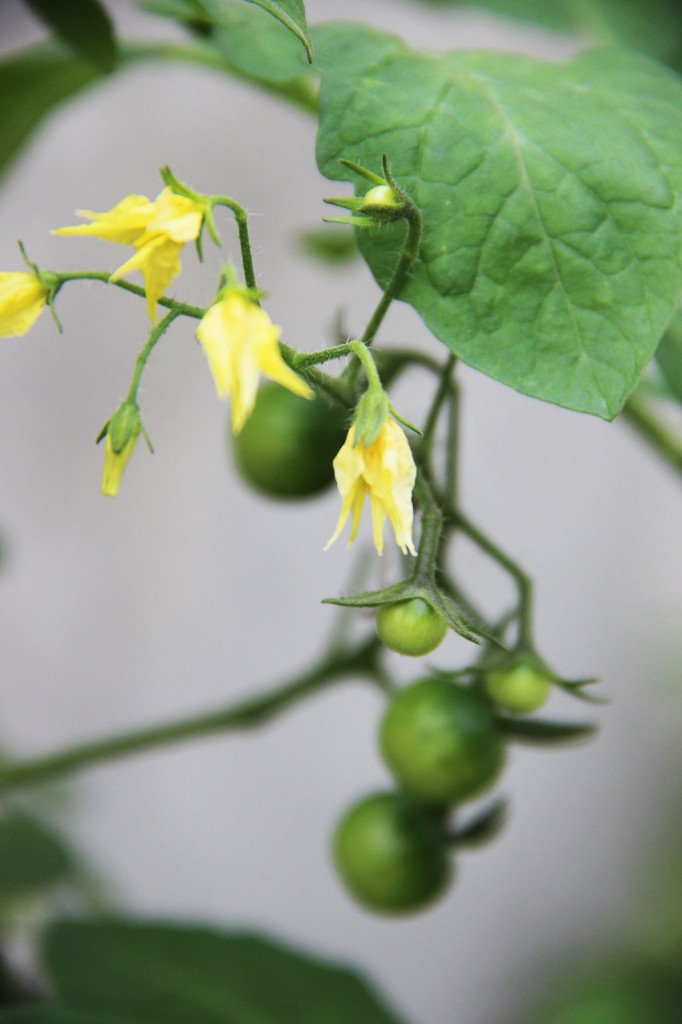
22 299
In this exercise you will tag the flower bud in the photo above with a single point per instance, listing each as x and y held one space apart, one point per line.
121 433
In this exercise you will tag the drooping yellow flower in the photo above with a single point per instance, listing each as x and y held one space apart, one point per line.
386 471
157 229
22 299
114 464
240 342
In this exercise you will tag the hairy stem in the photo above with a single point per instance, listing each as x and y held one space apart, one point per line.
408 255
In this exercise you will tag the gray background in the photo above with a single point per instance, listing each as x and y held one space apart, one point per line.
187 592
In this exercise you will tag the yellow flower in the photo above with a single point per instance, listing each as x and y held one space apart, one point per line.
157 229
386 471
240 342
114 464
22 298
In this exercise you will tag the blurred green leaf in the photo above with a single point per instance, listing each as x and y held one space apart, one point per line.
31 856
654 27
245 34
669 356
163 974
32 84
290 12
83 25
483 827
629 993
52 1015
329 245
538 731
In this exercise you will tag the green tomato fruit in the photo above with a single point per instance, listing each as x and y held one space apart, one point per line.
410 627
519 688
288 444
441 742
390 854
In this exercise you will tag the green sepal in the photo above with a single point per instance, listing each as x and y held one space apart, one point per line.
357 221
371 414
373 598
458 622
374 179
482 827
576 688
346 202
540 732
428 592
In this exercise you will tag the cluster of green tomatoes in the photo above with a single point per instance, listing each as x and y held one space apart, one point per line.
439 738
441 741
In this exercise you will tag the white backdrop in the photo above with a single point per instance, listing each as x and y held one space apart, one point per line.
187 592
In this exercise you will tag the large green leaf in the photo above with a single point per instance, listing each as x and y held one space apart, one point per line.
31 856
551 255
32 84
83 25
162 974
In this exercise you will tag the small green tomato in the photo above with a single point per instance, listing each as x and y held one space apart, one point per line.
440 741
288 444
390 854
410 627
381 195
519 688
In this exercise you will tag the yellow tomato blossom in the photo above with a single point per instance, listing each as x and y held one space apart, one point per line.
157 229
386 471
240 342
114 464
22 298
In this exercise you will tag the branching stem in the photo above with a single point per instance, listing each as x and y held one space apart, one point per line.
360 661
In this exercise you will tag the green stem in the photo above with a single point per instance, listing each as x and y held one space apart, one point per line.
359 349
444 387
522 580
157 333
408 255
452 450
304 360
242 219
244 715
656 433
337 388
180 308
431 532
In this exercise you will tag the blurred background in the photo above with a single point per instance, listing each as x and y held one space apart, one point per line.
187 591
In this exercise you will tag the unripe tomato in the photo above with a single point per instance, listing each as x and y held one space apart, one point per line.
519 688
441 742
288 444
390 854
410 627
